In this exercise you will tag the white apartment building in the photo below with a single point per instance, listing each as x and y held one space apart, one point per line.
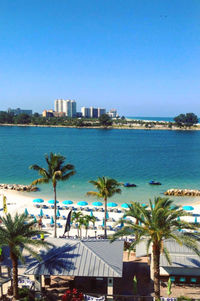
66 106
113 113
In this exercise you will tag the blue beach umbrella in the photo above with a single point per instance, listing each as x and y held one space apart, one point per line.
125 205
107 215
52 220
41 212
38 201
82 203
144 205
67 202
58 213
112 204
52 202
103 223
26 212
35 220
91 213
188 208
195 220
97 204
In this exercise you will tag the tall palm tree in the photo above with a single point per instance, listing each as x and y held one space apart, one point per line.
16 233
56 171
106 188
159 222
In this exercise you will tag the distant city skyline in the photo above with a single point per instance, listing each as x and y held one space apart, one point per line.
140 57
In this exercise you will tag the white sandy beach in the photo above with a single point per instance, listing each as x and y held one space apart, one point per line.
18 201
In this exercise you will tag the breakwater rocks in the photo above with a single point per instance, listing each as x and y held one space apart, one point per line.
19 187
182 192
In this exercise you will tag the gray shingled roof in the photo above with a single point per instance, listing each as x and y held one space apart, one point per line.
89 258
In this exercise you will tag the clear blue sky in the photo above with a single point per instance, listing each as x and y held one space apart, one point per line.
139 56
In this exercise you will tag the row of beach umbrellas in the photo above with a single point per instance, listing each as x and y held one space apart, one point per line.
98 204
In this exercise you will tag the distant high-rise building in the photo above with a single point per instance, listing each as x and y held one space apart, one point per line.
66 106
85 112
92 112
19 111
101 112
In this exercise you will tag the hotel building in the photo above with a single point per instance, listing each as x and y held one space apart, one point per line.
65 106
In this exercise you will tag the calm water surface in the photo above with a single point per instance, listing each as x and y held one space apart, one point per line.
136 156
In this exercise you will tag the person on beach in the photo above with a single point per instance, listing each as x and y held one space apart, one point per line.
42 236
40 223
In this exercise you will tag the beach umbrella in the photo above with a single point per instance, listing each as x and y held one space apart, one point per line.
188 208
103 223
107 215
144 205
82 203
112 204
52 202
169 286
97 204
35 220
134 285
91 213
195 220
52 220
26 212
38 201
125 205
41 212
58 213
67 202
121 225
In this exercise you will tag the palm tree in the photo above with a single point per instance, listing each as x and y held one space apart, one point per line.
76 217
16 233
56 171
86 220
159 222
106 188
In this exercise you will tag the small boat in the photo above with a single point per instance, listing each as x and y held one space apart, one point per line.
129 185
154 183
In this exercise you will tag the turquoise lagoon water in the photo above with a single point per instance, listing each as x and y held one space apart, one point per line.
136 156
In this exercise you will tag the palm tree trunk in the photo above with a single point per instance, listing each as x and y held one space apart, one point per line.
156 269
15 274
55 224
105 218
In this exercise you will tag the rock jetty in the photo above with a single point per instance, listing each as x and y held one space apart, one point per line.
182 192
19 187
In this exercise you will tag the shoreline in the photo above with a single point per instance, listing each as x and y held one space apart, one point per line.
125 127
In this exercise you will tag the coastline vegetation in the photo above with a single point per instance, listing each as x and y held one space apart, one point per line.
182 121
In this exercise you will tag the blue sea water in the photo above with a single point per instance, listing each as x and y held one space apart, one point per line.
136 156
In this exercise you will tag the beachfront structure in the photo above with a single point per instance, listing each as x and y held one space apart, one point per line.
90 263
65 106
184 267
113 113
92 112
52 113
19 111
